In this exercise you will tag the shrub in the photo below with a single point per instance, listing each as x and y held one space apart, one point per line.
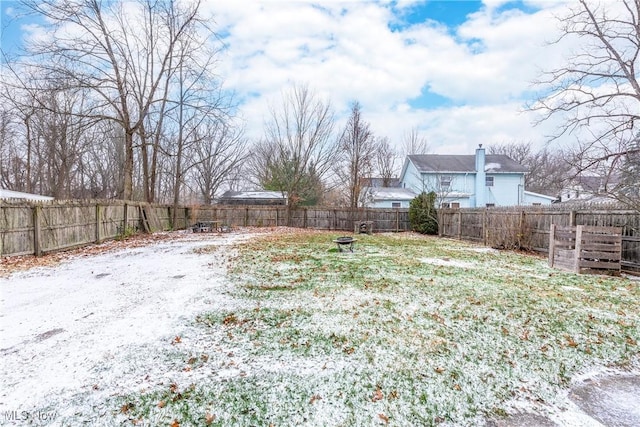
423 216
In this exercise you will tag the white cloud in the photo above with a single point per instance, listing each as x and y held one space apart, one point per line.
347 51
350 50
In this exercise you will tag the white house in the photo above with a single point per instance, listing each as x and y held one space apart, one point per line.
537 199
469 180
388 197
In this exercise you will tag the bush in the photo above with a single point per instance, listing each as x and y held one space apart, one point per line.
423 216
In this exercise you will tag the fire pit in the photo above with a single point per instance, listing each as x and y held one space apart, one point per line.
345 242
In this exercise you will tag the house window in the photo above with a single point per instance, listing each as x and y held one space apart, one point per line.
490 205
445 182
395 204
489 181
455 205
445 205
537 204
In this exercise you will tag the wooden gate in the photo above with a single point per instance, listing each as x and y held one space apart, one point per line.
586 248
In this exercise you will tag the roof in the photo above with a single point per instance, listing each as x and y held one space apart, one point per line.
543 196
496 163
390 193
379 182
255 195
10 194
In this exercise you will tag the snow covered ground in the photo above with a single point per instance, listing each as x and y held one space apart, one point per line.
91 327
86 340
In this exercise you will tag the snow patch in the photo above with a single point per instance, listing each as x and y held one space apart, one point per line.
448 262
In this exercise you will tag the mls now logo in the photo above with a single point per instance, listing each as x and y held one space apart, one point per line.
42 416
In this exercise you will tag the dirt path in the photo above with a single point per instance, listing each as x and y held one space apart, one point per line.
89 326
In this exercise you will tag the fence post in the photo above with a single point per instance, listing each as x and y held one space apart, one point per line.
125 219
37 250
246 217
521 229
552 244
98 223
304 221
397 220
484 227
572 219
578 249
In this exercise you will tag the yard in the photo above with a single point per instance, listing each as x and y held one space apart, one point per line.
282 329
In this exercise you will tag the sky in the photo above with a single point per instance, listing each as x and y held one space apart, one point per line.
458 72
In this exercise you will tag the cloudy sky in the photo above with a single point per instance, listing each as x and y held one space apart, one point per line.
459 72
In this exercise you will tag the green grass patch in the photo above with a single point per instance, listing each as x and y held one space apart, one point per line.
406 330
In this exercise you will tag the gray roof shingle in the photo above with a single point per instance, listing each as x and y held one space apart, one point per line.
464 163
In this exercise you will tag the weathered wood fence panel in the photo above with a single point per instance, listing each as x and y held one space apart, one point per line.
40 227
585 248
530 226
16 223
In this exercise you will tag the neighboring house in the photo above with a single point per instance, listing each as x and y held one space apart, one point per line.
379 182
588 189
537 199
10 194
467 180
262 197
387 197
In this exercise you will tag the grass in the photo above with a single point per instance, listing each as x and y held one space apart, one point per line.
407 330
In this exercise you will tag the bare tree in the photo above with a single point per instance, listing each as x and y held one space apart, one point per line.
597 92
357 155
120 51
414 143
299 147
547 171
218 158
386 161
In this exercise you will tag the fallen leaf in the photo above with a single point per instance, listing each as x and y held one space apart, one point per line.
439 369
209 418
175 423
314 398
173 387
377 395
384 418
176 340
162 404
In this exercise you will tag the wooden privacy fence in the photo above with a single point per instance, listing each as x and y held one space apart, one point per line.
35 228
587 248
384 220
529 227
38 227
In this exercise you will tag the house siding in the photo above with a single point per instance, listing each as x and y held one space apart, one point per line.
507 189
388 204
